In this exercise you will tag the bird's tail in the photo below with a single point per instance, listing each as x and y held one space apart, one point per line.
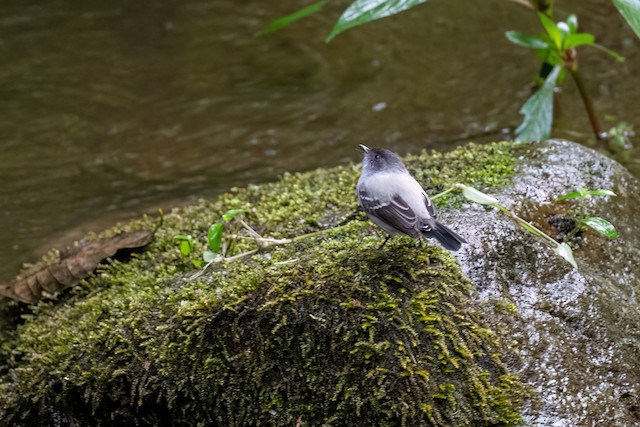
448 238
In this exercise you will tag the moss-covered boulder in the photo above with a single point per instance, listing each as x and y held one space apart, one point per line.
327 330
321 331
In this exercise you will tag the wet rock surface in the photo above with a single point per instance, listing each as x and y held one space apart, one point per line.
576 332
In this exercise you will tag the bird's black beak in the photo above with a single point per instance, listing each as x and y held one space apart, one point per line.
364 148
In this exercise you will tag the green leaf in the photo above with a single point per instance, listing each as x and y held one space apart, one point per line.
185 248
601 192
571 195
550 55
578 39
564 29
478 196
602 226
572 22
630 9
538 111
521 39
215 236
551 29
229 215
565 252
196 263
209 256
289 19
363 11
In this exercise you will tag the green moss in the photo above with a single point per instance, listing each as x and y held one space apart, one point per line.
479 166
505 305
323 331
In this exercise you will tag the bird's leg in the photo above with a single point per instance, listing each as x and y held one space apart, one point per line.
383 243
353 216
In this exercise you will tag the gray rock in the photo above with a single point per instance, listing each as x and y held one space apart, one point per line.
577 332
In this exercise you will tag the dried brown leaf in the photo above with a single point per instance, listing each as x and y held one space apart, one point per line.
74 265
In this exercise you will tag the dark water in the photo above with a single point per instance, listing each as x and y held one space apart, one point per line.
110 109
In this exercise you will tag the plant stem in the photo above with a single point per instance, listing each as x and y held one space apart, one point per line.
527 225
450 189
588 104
545 6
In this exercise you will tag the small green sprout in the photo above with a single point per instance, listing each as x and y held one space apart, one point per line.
583 193
214 235
600 225
187 244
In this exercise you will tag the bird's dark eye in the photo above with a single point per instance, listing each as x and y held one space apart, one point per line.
378 156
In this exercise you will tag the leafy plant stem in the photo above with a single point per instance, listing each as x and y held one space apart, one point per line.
526 225
588 104
571 234
449 190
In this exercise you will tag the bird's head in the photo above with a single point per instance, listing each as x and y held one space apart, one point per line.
380 160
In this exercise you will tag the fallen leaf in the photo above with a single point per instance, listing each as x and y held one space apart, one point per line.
75 264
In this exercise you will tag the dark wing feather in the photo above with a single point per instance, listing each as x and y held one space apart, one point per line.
430 208
396 213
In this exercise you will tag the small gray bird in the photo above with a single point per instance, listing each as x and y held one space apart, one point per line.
395 201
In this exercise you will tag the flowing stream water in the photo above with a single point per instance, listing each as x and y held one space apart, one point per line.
112 109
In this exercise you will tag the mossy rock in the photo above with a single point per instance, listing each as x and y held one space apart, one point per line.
321 331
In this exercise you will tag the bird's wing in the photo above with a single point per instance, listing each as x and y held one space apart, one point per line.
395 212
429 205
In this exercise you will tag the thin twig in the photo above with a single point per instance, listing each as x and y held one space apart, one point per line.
242 255
251 231
201 272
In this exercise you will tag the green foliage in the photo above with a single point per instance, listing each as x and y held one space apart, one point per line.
521 39
563 249
600 225
229 215
583 193
214 236
363 11
630 9
538 111
295 16
186 245
556 47
478 196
